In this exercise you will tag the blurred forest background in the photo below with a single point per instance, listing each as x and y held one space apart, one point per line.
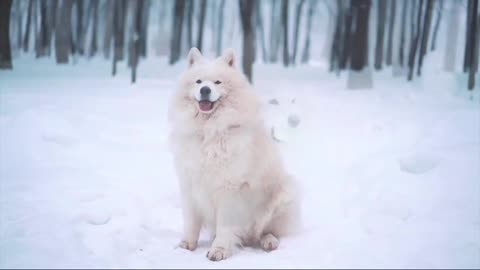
360 36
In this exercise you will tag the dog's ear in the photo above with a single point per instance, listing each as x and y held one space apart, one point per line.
194 56
229 57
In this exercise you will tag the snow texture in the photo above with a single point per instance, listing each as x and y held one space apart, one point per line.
390 176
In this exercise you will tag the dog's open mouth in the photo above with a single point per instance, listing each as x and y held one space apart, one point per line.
205 105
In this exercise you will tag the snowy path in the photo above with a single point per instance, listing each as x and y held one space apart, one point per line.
390 176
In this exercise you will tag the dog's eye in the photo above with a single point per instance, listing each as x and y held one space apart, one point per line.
199 81
218 82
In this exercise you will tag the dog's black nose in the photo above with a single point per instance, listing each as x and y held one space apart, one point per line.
205 91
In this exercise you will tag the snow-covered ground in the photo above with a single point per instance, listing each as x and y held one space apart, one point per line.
391 176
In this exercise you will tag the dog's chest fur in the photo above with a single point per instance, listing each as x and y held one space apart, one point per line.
219 162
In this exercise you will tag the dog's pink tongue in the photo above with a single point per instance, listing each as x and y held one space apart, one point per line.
205 105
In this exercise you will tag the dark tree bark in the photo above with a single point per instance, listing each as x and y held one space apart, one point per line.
219 31
63 32
382 10
176 40
136 38
119 32
286 55
261 30
189 4
474 47
401 54
246 16
414 39
426 33
93 40
391 29
26 39
201 24
360 75
335 52
359 52
5 50
344 54
144 27
109 27
437 23
35 25
43 34
52 20
467 57
79 35
306 46
19 24
298 14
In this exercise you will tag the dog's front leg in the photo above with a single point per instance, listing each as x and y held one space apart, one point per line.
231 217
192 224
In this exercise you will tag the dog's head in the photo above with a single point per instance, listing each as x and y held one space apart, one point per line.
210 85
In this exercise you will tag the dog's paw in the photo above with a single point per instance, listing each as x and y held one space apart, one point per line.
188 245
217 254
269 242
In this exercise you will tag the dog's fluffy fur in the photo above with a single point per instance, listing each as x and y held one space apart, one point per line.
232 179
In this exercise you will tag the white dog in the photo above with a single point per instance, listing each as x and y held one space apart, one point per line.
232 179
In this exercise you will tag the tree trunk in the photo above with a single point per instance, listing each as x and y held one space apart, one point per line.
391 29
382 10
437 24
330 28
117 42
213 22
189 24
119 32
337 36
452 34
43 35
359 52
137 38
93 40
306 45
119 18
274 32
360 76
19 24
286 54
467 56
176 39
475 32
220 23
344 54
35 26
5 50
259 23
144 27
63 32
201 24
414 40
298 14
52 20
108 27
79 31
426 33
26 39
401 53
246 16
